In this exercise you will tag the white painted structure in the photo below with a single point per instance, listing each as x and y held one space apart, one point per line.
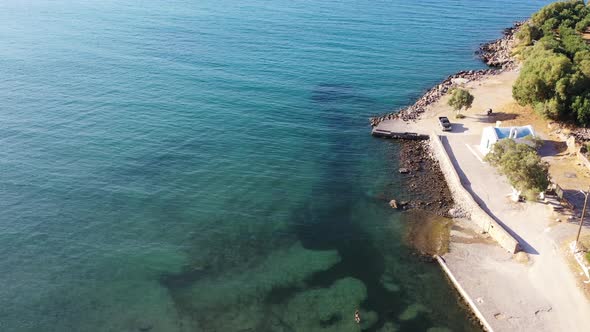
491 135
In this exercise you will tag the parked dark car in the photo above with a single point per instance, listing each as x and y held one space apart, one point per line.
444 122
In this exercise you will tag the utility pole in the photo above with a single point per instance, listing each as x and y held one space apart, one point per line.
582 218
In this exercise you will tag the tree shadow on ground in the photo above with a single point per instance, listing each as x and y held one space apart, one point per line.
500 116
575 198
574 206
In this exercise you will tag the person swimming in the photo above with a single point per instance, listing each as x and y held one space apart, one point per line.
357 316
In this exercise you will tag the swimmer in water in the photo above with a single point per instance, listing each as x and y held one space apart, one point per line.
357 317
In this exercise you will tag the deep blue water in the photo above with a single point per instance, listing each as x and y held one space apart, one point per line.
206 165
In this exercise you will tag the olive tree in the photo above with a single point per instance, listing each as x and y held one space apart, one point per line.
460 98
522 166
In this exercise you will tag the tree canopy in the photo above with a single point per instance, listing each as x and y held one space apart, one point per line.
555 77
460 98
522 166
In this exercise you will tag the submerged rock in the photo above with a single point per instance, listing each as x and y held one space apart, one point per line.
439 329
393 204
236 301
328 309
389 284
145 327
282 268
389 327
368 319
413 311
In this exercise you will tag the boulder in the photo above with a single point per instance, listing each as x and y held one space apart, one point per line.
393 204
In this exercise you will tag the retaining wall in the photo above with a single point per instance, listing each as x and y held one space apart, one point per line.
466 202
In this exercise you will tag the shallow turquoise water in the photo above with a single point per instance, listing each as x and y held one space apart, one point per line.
206 165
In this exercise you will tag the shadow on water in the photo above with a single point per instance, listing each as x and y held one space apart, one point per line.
329 220
324 94
325 222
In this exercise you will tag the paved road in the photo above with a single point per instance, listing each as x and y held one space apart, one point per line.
542 296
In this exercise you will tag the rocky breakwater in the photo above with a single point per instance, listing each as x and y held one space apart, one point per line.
496 54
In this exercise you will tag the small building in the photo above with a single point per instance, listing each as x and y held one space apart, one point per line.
491 135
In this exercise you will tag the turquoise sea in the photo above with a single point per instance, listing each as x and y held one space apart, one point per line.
207 165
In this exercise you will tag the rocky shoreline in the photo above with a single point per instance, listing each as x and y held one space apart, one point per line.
495 54
427 188
498 53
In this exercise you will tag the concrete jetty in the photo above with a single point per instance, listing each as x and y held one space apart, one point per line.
398 129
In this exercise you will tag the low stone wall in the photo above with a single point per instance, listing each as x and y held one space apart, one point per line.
466 202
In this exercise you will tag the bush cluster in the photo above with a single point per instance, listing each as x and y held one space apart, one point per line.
522 166
555 77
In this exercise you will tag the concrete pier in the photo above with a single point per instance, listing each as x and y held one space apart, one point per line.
398 129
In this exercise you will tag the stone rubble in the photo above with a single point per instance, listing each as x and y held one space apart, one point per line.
427 188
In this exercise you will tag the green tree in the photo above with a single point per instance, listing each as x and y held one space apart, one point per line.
543 79
528 33
560 13
522 166
555 77
581 109
460 98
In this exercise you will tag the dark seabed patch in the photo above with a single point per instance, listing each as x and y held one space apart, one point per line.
428 233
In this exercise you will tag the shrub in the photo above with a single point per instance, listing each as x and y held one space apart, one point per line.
522 166
459 116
